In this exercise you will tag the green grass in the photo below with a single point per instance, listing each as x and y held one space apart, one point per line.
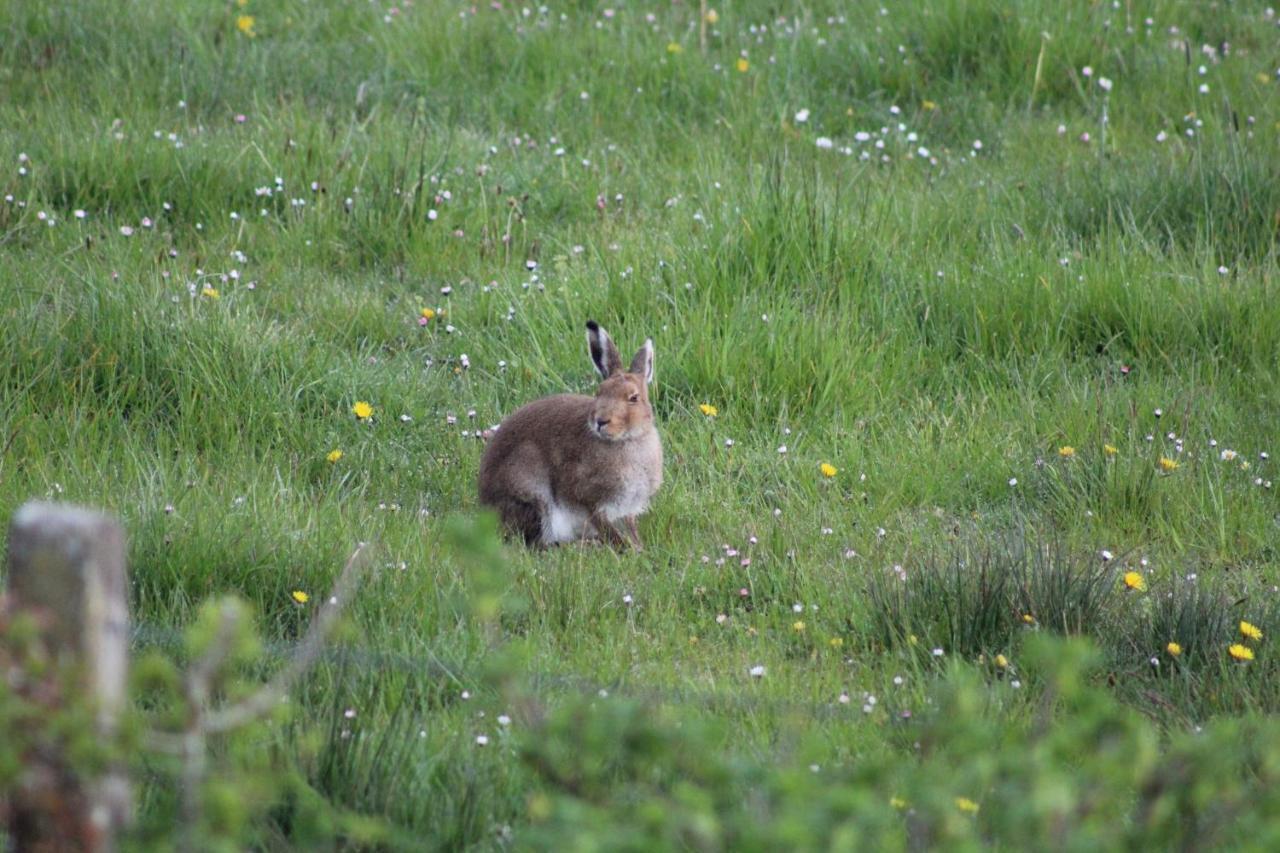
932 325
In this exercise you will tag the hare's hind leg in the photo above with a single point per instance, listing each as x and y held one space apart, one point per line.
523 518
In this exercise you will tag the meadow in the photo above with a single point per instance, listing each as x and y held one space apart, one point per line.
966 329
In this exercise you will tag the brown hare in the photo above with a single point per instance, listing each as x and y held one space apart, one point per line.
570 467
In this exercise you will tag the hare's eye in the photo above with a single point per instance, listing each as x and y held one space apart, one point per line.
634 398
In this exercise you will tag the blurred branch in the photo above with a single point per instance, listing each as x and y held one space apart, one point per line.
702 26
312 644
191 745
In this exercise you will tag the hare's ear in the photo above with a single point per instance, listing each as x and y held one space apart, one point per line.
604 355
642 364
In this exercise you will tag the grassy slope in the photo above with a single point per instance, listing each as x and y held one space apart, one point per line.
933 329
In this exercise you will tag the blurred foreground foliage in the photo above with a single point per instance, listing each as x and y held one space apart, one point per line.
1057 757
1083 771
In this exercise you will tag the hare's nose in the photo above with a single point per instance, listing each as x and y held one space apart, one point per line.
601 424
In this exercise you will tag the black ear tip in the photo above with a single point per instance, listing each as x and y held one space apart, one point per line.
593 326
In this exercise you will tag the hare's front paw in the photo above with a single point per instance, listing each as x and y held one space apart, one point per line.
609 532
633 532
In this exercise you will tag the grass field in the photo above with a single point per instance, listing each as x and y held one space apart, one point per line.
1009 267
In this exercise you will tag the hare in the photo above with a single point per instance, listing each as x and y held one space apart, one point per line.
569 467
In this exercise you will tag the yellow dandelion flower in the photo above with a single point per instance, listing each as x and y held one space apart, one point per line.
967 805
362 410
540 808
913 639
299 596
743 65
1028 619
1167 464
1002 661
836 642
1135 581
929 105
211 293
1066 451
709 410
1241 653
897 803
1174 649
1110 449
244 24
828 470
798 627
334 455
428 314
711 17
1250 631
674 47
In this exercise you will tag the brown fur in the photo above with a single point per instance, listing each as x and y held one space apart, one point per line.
594 457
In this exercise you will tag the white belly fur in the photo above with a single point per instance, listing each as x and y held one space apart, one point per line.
562 523
632 500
